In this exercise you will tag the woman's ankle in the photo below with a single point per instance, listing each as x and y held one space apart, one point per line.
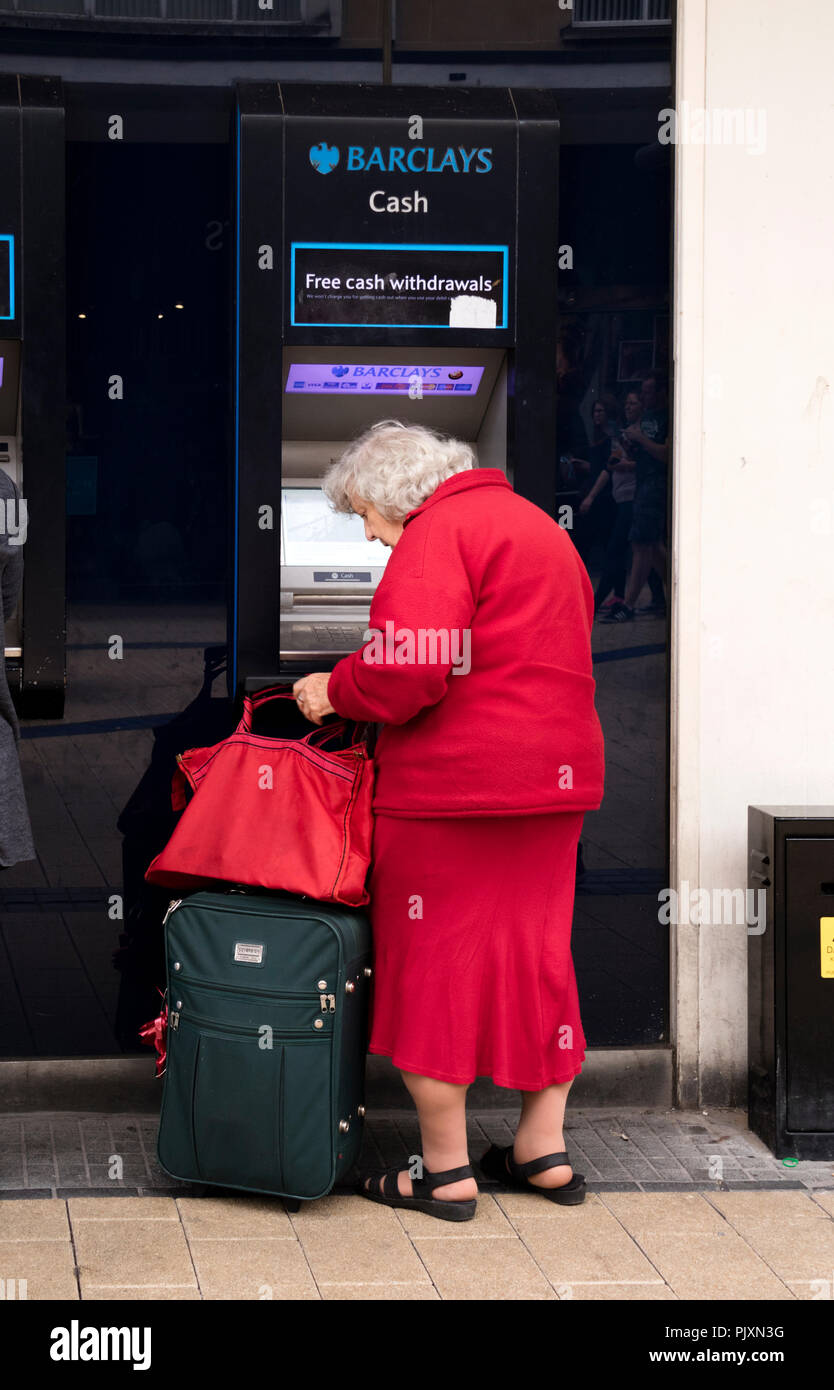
462 1191
530 1145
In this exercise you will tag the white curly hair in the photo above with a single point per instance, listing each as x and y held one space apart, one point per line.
395 467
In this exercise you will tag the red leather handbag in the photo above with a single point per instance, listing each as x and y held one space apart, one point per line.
282 813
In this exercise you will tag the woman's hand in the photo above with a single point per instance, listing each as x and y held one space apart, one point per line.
311 696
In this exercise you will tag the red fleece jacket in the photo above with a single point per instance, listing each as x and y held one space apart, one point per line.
517 734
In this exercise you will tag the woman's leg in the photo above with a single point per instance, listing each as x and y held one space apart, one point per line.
441 1110
614 566
641 563
540 1132
619 561
656 586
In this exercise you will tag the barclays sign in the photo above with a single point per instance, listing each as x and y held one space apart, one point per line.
419 159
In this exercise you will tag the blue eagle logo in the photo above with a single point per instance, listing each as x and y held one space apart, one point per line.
324 157
340 371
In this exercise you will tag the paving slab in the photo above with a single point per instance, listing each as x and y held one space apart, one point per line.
487 1268
131 1254
234 1218
712 1265
46 1266
353 1255
252 1269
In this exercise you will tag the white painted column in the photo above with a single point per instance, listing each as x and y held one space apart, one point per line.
753 499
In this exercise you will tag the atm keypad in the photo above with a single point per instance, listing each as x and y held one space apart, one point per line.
321 637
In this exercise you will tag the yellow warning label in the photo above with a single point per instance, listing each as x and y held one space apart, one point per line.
827 948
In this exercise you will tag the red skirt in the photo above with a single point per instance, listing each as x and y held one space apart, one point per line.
473 973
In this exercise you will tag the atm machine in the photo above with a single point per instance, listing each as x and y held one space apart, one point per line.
32 381
396 258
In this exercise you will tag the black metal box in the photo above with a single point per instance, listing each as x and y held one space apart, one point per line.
791 980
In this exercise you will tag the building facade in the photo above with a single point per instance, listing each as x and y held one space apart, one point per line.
680 238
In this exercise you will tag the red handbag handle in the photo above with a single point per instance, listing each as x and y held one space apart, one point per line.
325 732
318 736
253 701
283 691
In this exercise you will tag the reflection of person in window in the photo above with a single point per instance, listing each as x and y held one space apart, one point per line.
571 436
618 477
595 519
648 446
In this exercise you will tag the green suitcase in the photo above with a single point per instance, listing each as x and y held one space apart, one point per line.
267 1037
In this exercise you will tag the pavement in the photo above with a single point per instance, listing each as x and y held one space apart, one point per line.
680 1205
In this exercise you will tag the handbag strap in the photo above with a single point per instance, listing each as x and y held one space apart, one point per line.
253 700
282 690
322 735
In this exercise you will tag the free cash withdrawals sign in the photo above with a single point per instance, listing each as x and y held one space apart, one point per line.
417 285
7 277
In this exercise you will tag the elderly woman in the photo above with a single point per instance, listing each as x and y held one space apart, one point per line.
479 668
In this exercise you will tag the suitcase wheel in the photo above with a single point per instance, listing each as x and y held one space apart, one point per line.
292 1204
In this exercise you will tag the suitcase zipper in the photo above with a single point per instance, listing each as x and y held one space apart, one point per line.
176 902
236 1027
257 906
304 995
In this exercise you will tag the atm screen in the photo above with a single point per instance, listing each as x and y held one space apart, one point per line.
312 534
383 378
9 378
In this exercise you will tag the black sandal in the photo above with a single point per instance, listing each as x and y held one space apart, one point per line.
500 1165
387 1192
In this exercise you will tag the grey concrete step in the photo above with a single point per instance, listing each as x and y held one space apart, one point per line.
610 1076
